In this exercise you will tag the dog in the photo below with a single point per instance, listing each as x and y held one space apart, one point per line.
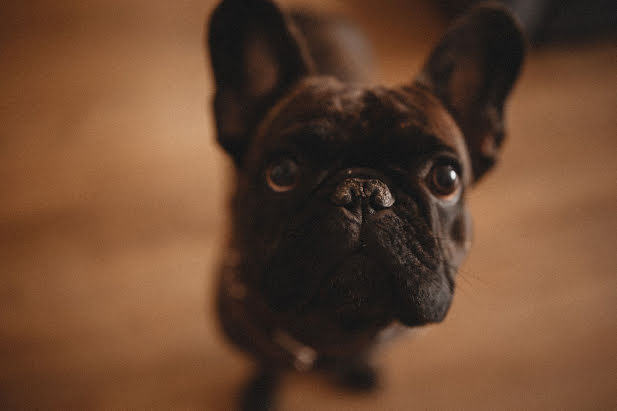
348 217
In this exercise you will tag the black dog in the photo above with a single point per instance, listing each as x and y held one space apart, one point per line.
349 216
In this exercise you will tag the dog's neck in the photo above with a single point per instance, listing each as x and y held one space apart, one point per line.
267 333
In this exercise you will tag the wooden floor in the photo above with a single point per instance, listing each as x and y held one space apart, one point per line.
112 215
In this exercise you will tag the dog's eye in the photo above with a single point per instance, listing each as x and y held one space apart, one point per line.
444 181
283 175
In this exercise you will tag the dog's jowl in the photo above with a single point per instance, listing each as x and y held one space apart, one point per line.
349 216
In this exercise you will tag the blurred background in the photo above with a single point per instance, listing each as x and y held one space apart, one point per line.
113 216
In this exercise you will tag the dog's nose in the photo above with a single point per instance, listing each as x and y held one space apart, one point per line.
359 194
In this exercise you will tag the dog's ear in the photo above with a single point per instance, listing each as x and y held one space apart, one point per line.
256 56
472 71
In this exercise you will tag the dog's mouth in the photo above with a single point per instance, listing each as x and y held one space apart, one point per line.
369 274
353 292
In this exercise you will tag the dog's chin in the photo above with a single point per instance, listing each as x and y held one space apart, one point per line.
357 293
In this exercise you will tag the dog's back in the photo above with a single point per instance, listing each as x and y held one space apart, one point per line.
336 46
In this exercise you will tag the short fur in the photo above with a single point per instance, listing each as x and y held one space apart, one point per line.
361 244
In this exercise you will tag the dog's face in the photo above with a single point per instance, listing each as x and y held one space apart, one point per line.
352 203
350 199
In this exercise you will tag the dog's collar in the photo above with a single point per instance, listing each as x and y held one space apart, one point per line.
304 356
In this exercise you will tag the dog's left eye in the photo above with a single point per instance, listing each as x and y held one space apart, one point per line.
444 181
283 175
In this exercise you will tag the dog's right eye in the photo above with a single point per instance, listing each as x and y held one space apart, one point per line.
444 181
283 175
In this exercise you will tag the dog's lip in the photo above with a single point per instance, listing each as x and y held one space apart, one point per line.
399 291
359 251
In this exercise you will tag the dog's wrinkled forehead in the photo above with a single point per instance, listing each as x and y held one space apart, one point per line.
324 115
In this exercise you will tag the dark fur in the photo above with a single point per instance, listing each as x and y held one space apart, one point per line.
305 268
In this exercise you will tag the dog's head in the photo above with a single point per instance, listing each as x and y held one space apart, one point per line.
350 200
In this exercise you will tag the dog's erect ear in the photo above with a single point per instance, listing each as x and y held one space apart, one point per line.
472 71
256 56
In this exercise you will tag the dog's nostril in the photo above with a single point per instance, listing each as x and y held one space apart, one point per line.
382 199
379 194
342 196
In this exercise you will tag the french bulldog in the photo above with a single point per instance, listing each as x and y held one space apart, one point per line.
348 217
